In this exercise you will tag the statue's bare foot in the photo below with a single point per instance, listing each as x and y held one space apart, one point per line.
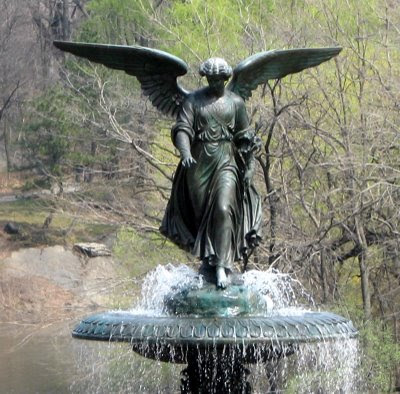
222 279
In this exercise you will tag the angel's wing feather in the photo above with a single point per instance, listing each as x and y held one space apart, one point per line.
275 64
157 71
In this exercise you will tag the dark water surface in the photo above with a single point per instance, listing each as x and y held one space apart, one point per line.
46 359
36 359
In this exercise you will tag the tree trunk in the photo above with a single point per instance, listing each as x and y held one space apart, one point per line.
397 372
325 290
7 148
93 151
364 272
65 21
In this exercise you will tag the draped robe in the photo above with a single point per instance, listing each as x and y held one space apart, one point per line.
210 213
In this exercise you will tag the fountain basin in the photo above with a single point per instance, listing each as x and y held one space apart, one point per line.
217 334
170 338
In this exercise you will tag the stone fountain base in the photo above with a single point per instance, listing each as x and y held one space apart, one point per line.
216 349
216 333
149 335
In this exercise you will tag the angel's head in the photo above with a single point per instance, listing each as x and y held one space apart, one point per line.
215 66
217 71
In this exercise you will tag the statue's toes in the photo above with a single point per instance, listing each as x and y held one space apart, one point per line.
222 280
222 284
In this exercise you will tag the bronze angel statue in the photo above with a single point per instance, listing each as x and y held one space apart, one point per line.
214 210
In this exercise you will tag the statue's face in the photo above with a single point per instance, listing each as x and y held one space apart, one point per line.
216 84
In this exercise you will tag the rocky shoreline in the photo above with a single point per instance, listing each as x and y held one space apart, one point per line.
50 283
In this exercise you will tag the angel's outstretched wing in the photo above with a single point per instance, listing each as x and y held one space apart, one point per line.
275 64
157 71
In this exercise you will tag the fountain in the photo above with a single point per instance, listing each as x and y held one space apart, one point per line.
216 333
215 323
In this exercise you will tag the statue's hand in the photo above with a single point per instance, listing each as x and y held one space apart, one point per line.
188 162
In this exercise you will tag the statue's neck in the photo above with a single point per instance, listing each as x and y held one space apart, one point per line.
215 93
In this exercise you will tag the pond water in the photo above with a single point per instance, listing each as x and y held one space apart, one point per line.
36 359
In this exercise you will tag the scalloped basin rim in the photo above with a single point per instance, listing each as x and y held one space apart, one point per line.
200 331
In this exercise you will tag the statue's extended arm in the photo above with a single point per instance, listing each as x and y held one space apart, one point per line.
182 133
182 143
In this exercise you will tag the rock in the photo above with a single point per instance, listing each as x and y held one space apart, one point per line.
51 283
92 249
11 228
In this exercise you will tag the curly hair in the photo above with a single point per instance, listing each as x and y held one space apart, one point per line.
215 66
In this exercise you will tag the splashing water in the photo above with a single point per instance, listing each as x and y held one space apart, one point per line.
162 281
276 293
279 294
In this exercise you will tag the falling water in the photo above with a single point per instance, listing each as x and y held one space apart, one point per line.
324 367
117 369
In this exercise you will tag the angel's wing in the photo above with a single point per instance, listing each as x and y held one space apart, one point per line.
275 64
157 71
